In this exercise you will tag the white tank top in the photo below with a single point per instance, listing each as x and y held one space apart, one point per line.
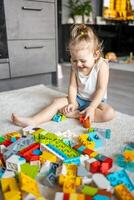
87 83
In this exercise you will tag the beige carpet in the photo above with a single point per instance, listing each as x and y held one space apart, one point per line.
30 100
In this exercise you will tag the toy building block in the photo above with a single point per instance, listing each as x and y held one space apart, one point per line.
29 170
11 135
28 152
122 193
59 196
89 190
28 184
101 197
105 132
18 145
13 163
58 117
48 156
94 137
75 160
101 181
86 122
10 189
129 155
39 134
8 174
56 145
83 138
70 180
120 177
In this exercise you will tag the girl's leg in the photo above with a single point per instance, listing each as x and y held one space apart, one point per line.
45 115
104 113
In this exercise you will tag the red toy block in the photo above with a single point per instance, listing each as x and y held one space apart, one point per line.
109 161
77 146
66 196
27 152
86 123
95 166
104 168
87 151
105 193
6 143
87 197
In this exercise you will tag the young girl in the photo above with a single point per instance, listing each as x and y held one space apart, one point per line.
87 92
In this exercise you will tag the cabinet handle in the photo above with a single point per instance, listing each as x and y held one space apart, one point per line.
32 9
33 47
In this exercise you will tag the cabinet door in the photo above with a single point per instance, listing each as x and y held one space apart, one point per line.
4 70
29 19
28 57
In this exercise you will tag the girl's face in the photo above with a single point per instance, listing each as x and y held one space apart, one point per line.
83 58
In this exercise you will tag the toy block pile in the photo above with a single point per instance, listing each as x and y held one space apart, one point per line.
81 172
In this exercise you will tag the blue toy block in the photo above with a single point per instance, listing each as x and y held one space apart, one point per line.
75 160
36 152
56 118
57 151
93 136
120 177
81 149
1 172
13 139
100 197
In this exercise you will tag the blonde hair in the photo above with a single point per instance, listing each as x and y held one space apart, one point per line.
81 33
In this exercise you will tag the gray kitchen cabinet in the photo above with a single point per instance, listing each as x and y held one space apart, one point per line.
31 27
4 69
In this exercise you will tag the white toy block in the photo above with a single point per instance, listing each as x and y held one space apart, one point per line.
8 174
27 130
13 163
88 163
59 196
101 181
86 180
3 148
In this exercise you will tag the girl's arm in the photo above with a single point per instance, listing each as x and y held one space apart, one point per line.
102 82
72 90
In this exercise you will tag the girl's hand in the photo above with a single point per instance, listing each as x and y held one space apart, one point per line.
89 112
68 108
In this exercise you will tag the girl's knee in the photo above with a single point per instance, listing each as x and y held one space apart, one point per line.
60 101
108 114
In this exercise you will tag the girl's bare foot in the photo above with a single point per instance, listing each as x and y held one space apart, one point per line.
21 121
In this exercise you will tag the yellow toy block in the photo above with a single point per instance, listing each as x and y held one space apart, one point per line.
29 185
93 154
80 197
40 198
129 155
123 193
13 134
10 189
73 196
13 195
48 156
83 137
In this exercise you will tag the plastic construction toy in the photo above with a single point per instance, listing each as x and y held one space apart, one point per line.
10 189
120 177
72 196
58 117
105 132
123 193
70 180
86 123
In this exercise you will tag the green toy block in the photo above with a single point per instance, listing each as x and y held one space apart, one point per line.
30 170
89 190
2 139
